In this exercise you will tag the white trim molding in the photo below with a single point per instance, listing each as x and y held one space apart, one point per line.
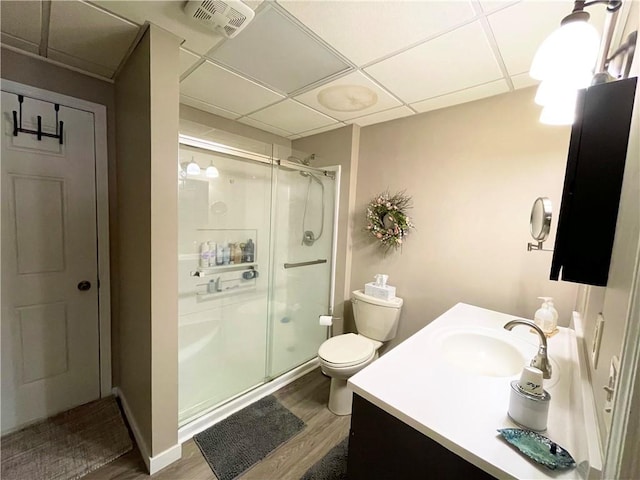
153 463
131 420
163 459
102 211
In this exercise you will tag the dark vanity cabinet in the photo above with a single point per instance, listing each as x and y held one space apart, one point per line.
593 181
381 447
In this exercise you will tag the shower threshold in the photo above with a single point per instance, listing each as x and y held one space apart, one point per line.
217 414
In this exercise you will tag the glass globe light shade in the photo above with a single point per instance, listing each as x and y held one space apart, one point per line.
193 169
212 172
559 113
567 53
552 93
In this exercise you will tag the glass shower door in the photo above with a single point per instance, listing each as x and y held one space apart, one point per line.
302 264
224 246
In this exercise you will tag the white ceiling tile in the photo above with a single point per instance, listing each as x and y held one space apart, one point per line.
168 14
292 117
328 128
218 86
366 31
80 63
385 116
19 43
454 61
521 28
21 19
195 103
187 60
264 126
89 33
463 96
493 5
523 80
277 52
384 100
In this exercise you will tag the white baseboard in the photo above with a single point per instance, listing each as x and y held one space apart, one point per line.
165 458
158 462
209 419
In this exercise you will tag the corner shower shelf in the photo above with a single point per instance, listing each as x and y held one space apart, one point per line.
207 271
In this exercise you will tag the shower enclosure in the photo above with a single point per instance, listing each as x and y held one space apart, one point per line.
256 242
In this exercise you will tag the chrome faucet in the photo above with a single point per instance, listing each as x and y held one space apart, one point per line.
541 360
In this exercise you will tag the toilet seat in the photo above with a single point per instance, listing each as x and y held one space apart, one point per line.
346 350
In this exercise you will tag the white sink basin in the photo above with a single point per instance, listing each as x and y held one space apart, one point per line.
482 352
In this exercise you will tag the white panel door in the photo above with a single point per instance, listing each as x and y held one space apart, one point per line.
50 336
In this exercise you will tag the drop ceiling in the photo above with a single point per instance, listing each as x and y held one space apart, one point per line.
408 56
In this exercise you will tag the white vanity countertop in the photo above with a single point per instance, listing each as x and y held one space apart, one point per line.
462 411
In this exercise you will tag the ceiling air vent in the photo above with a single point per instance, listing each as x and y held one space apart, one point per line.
227 17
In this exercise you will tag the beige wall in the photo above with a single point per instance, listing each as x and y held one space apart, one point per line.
134 236
473 171
147 95
338 147
41 74
165 98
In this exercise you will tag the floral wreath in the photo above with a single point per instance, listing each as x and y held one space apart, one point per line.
386 220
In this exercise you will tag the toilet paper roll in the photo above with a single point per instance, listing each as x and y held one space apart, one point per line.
325 320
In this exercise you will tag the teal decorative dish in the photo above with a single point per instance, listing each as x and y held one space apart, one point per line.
538 448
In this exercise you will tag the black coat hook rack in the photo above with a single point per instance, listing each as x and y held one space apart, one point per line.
17 124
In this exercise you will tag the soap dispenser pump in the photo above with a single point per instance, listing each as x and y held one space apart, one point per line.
543 316
546 317
554 323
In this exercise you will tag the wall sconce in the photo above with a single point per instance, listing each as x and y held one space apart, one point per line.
566 60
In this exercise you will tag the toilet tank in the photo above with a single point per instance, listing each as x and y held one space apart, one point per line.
375 318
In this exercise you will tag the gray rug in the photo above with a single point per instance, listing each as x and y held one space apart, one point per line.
240 441
333 466
66 446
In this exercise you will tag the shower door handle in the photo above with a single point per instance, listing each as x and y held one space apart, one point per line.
304 264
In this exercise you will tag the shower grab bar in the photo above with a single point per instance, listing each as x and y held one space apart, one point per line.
304 264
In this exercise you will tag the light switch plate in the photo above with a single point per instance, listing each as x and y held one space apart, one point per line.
610 389
597 338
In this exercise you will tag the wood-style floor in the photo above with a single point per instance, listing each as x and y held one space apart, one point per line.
306 397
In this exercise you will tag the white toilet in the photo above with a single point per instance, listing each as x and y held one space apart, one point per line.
344 355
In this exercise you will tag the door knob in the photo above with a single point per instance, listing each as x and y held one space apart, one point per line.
84 285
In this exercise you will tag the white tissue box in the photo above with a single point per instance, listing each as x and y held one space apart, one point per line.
383 293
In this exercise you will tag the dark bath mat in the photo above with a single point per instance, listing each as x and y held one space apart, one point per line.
333 466
240 441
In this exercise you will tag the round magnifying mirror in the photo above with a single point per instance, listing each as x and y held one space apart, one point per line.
541 219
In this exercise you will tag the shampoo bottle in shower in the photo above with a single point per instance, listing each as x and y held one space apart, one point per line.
213 251
226 257
220 254
204 255
249 251
237 253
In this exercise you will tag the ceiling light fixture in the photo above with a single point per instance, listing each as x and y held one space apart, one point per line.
193 168
212 171
568 59
347 98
